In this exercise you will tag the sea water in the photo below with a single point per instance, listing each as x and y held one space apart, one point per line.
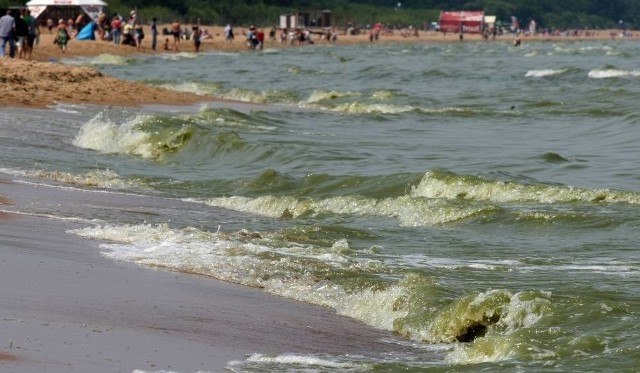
446 192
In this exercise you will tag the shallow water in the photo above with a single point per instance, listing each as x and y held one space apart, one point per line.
424 189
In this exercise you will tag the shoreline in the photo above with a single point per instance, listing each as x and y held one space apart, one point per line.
68 308
42 82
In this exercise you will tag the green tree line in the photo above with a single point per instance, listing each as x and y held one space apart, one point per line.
547 13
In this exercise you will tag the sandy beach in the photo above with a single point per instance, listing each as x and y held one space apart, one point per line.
43 82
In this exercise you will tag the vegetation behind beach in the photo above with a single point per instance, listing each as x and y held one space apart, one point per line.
594 14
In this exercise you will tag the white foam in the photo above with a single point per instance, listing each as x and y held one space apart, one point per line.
307 361
612 73
103 135
543 73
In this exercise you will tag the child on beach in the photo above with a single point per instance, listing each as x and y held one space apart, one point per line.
196 35
62 37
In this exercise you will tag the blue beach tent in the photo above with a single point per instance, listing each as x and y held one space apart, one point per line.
88 32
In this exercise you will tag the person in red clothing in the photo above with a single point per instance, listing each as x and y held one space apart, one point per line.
260 37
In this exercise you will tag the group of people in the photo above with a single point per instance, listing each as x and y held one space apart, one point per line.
19 32
130 32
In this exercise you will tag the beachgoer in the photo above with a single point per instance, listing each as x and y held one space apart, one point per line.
154 32
517 41
132 18
138 35
22 31
62 37
228 33
252 38
70 27
116 24
166 44
175 31
7 34
272 34
102 24
50 25
127 35
80 22
260 37
196 35
34 33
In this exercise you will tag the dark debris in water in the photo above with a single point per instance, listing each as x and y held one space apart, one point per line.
472 332
477 329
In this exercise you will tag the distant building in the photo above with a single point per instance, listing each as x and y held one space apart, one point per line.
306 19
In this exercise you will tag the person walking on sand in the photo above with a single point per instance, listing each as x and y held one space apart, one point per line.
62 37
7 34
175 31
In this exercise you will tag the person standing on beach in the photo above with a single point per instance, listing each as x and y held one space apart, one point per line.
260 37
80 22
102 24
22 31
138 35
228 33
196 35
154 33
116 24
7 34
175 31
34 33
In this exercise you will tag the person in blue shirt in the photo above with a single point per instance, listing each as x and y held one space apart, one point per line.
8 34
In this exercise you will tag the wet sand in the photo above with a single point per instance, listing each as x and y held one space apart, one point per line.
65 308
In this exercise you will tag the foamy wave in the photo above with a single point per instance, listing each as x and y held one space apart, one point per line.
612 73
409 211
251 259
543 73
300 272
192 87
102 135
97 178
305 361
259 97
178 56
504 313
317 96
109 59
473 188
383 95
363 108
